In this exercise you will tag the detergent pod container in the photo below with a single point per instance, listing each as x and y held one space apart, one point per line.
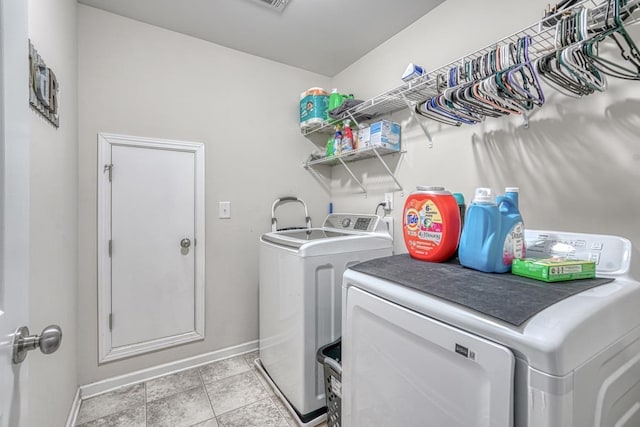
431 224
480 247
512 229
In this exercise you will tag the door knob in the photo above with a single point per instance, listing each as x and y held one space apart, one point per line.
48 341
185 243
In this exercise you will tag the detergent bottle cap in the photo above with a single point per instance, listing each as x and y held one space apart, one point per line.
429 188
484 195
334 90
459 198
511 190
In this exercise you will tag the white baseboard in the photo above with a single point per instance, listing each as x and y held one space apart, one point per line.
108 384
75 408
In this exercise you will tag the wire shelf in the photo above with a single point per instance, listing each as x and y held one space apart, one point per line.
352 156
424 87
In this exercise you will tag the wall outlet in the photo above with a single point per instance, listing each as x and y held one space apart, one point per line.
388 199
225 210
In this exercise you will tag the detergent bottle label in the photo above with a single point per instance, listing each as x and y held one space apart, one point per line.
514 245
425 223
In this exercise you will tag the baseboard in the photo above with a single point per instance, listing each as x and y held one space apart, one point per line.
104 386
75 408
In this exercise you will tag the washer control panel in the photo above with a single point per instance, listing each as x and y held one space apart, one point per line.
352 222
611 253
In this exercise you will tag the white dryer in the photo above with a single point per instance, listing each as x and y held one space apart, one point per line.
300 300
411 358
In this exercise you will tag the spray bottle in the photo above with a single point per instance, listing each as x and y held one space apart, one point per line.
347 137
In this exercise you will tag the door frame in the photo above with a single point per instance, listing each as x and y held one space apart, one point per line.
106 351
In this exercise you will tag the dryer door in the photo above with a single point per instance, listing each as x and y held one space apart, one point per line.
401 368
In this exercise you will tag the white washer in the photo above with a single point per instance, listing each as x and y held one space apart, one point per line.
413 359
300 299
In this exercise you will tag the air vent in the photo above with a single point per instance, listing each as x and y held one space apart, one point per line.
278 5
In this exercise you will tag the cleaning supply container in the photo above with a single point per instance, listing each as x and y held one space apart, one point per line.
431 224
480 247
335 99
314 104
511 229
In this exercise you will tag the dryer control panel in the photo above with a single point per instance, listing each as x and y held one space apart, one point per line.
354 222
612 254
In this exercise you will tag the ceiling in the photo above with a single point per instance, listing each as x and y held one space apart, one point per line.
323 36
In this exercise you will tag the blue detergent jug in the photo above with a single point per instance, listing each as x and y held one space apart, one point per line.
480 244
511 230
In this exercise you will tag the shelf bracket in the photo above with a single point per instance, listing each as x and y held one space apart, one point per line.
412 110
364 190
391 174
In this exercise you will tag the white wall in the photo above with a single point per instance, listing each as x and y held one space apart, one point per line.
577 166
141 80
53 217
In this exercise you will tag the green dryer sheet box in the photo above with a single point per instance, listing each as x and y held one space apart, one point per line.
554 269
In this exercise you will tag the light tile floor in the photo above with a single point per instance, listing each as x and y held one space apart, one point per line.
227 393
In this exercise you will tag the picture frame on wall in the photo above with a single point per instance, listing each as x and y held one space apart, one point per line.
43 87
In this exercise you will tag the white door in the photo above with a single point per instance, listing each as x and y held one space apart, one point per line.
153 244
14 204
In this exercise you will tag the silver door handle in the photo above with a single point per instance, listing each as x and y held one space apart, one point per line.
48 341
185 243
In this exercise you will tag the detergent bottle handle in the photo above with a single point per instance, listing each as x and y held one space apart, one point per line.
505 204
493 223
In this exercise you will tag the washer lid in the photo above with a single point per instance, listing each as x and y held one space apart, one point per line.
297 238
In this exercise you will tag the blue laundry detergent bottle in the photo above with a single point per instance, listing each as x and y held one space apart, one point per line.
480 245
513 244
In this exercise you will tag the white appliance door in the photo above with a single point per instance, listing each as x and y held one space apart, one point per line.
401 368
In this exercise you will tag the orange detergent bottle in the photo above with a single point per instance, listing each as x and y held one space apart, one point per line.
431 224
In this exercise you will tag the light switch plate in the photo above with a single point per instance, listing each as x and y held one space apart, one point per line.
225 210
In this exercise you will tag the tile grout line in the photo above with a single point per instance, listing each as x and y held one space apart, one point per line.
272 396
204 386
269 396
248 404
146 400
280 411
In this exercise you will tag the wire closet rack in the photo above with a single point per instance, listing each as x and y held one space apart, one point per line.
407 95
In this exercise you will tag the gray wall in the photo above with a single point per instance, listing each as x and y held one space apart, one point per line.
136 79
53 217
577 166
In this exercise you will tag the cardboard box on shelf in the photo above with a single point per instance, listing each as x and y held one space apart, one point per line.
383 133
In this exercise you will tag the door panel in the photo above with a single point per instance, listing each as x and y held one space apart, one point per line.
150 244
14 205
153 196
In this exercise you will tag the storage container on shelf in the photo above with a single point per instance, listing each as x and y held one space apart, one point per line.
314 103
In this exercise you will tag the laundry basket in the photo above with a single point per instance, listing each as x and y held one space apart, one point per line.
330 356
281 201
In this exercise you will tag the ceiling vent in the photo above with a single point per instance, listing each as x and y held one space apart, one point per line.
278 5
